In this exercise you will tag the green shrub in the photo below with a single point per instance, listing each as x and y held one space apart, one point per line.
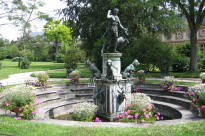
16 59
141 76
72 57
181 64
202 76
83 111
42 79
3 53
0 65
25 63
20 100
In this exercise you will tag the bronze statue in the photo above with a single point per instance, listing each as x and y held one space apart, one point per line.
129 70
94 70
112 36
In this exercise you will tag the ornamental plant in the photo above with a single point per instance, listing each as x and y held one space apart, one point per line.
170 84
21 101
202 76
42 79
74 76
141 76
197 95
1 87
83 111
140 110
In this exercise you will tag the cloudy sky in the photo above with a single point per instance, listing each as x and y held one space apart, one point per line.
11 32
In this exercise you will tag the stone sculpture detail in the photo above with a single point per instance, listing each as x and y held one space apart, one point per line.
129 70
109 75
95 71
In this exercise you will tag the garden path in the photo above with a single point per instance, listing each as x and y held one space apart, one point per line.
22 77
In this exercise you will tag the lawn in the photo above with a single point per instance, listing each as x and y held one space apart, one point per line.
177 74
61 73
13 127
9 67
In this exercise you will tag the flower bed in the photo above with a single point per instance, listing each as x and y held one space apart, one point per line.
197 95
22 101
83 112
170 84
140 110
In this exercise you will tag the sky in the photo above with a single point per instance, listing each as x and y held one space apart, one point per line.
12 33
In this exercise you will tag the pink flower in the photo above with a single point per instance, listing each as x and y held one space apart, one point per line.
118 116
199 109
97 120
20 109
8 111
17 118
7 104
26 106
147 116
157 117
144 110
136 115
34 112
158 113
128 105
150 113
193 93
203 107
129 116
36 100
122 116
142 121
128 111
125 112
21 115
162 118
193 100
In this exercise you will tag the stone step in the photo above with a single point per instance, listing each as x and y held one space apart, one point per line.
82 90
179 94
149 85
80 85
49 101
87 95
46 111
46 94
171 99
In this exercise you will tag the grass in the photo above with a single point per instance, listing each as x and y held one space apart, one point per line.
26 128
68 82
177 74
181 83
61 73
9 67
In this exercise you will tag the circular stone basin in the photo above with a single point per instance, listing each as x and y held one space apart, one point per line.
168 113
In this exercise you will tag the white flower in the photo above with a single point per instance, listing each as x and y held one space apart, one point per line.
141 98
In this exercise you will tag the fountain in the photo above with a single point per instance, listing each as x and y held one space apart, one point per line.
113 90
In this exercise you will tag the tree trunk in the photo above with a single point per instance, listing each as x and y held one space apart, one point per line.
194 51
56 45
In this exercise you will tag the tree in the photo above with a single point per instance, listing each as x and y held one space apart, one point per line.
89 21
57 33
194 11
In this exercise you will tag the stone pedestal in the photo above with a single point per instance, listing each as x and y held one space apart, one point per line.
116 64
108 96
